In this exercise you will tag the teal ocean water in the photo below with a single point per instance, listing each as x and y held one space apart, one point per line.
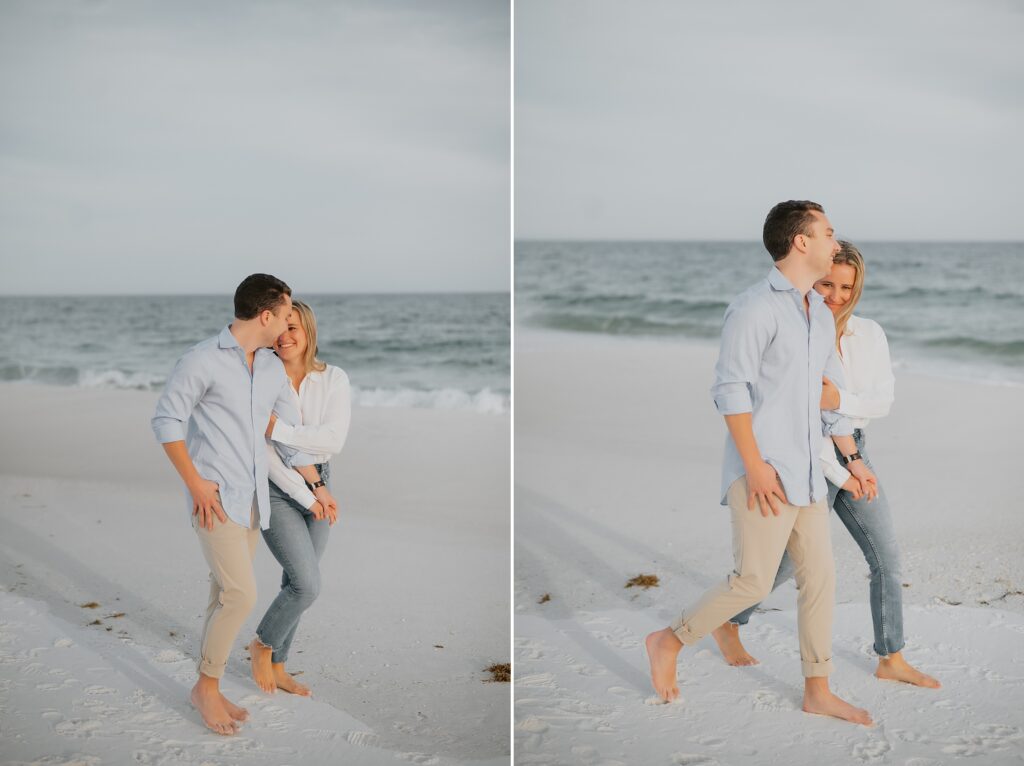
446 351
947 308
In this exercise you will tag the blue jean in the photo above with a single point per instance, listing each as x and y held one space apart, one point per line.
870 525
297 541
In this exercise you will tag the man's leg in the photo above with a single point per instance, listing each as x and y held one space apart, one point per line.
727 635
227 549
810 547
758 544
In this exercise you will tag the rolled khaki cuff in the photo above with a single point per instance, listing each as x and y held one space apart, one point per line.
816 669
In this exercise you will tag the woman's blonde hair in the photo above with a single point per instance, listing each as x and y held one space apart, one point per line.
850 256
308 321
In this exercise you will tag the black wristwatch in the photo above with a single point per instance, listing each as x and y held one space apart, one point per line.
321 483
851 458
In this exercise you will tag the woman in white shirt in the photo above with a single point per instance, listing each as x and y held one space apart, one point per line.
301 514
864 510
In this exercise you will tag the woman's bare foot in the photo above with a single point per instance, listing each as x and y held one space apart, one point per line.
236 712
662 650
262 672
820 700
895 668
286 681
206 698
727 636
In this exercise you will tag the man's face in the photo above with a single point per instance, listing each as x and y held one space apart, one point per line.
279 320
821 244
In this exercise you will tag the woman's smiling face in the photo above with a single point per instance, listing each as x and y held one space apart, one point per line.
837 286
291 344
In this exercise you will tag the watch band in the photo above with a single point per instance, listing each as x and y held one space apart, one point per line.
851 458
316 485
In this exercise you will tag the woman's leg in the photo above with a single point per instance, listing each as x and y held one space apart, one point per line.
871 526
318 534
289 541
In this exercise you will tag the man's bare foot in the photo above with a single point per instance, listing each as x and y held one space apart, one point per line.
895 668
236 712
206 698
286 681
262 672
662 650
727 636
819 699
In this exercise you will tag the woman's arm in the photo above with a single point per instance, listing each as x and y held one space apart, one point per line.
288 479
329 435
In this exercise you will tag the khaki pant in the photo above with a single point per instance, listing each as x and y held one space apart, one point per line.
228 549
758 543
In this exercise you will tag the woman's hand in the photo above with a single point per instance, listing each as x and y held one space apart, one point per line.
853 486
829 395
317 510
328 503
868 482
270 427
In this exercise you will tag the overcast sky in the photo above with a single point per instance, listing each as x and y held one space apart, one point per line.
175 147
687 120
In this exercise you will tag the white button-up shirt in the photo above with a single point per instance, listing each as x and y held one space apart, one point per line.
325 402
869 389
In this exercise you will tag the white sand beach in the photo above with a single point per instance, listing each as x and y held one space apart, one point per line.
413 605
617 453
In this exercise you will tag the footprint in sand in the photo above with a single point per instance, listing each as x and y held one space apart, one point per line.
765 700
362 738
874 750
77 727
63 643
692 759
424 759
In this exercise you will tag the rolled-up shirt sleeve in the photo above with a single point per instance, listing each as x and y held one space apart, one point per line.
746 334
831 467
183 390
834 423
329 436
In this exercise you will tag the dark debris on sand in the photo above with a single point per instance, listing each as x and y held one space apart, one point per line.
500 673
90 605
545 598
644 581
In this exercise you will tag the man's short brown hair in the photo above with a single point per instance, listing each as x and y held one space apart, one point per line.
258 293
784 222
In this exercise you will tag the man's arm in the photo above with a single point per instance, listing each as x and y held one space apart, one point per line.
205 497
763 486
185 387
745 336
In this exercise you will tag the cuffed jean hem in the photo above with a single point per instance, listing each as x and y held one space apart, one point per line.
816 669
884 654
275 657
210 669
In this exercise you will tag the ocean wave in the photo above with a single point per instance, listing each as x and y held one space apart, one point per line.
611 324
139 381
485 401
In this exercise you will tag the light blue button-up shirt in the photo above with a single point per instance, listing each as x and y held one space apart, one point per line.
221 411
771 362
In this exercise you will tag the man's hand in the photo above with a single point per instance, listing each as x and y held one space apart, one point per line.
829 395
270 427
328 503
868 482
764 488
853 486
206 502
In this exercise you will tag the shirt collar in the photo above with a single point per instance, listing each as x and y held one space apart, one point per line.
780 282
226 339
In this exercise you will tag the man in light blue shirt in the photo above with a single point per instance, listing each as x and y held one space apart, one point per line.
211 419
778 341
